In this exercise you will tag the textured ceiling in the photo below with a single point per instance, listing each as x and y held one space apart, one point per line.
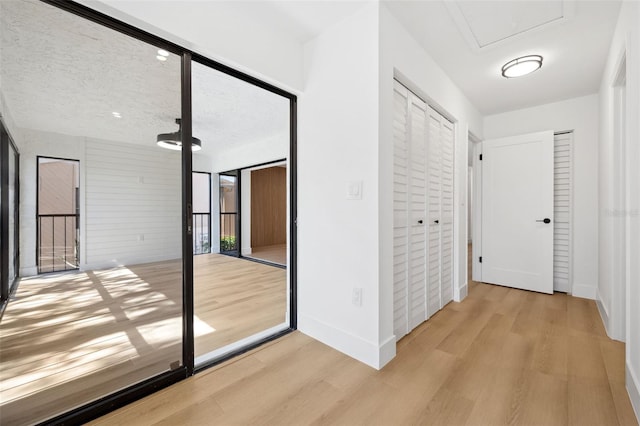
68 75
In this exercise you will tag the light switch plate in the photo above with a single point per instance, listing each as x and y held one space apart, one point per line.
354 190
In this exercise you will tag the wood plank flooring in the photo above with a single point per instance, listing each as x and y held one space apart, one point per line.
501 357
69 338
275 254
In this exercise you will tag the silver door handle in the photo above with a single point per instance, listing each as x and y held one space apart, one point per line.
545 220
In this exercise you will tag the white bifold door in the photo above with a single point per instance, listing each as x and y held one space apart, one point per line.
517 211
423 211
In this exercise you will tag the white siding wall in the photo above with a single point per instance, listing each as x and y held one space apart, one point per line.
133 198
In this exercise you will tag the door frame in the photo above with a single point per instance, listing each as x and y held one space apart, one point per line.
78 208
477 206
6 145
137 391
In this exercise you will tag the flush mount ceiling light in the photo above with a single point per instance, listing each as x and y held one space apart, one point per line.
522 66
174 140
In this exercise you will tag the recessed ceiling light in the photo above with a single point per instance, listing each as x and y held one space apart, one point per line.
163 52
522 66
116 114
161 58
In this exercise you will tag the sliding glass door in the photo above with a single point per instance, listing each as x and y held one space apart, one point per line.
101 208
238 300
131 270
9 221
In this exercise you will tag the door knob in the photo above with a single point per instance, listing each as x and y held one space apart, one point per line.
420 221
545 220
436 221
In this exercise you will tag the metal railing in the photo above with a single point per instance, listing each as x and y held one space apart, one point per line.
58 243
201 233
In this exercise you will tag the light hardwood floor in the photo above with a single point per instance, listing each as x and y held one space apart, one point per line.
275 254
69 338
501 357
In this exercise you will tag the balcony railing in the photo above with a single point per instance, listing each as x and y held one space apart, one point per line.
58 243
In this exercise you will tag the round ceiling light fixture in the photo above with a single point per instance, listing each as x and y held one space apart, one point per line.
174 140
522 66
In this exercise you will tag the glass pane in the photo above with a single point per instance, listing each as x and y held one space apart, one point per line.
58 215
90 104
241 287
228 194
12 216
201 213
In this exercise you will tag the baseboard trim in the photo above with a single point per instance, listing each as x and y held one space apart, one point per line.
461 293
633 388
349 344
604 313
584 291
387 351
29 271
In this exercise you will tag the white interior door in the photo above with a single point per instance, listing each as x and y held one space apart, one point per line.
517 211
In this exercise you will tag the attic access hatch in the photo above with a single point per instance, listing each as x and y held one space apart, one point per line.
484 24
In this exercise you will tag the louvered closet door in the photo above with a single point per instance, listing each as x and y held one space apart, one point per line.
562 212
417 208
446 215
400 211
441 152
434 207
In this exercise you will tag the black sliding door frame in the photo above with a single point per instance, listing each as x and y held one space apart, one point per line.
118 399
236 222
53 217
7 284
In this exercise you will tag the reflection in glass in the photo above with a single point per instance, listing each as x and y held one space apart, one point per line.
244 129
72 89
228 214
201 213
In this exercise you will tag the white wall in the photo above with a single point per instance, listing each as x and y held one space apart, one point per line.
337 144
232 32
129 200
250 154
626 38
581 116
401 56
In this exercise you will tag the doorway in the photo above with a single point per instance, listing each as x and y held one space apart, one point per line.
620 253
229 217
58 215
